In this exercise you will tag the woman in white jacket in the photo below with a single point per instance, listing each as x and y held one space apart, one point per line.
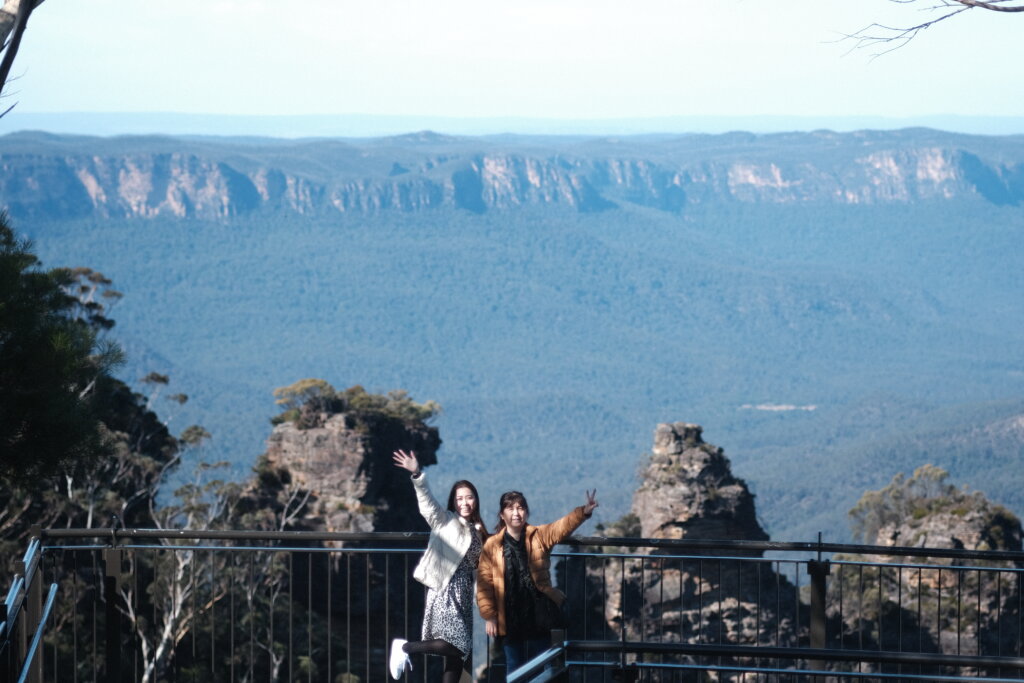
448 570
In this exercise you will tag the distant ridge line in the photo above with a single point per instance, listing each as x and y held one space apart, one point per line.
370 125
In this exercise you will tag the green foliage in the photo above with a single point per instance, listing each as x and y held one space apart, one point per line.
628 526
313 393
80 448
291 415
194 435
108 466
155 378
120 485
306 400
175 574
51 363
925 493
899 500
395 404
122 482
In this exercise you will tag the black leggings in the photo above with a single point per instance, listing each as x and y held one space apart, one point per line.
452 656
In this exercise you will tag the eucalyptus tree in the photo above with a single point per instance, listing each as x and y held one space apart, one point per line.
52 361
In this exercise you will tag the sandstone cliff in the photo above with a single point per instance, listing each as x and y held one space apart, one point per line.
54 177
687 490
973 607
332 470
339 475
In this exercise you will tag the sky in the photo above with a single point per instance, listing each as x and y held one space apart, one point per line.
553 59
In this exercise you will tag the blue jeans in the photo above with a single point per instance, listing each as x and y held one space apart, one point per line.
519 651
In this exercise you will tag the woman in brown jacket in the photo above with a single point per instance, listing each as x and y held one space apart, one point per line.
515 566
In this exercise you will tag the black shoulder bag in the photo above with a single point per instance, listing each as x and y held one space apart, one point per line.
546 612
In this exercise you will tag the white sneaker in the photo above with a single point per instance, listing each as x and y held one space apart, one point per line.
399 660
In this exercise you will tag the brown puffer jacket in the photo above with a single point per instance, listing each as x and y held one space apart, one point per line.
490 582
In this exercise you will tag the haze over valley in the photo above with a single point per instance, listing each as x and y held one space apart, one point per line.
832 307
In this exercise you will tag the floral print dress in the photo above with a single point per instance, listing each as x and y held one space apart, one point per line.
449 611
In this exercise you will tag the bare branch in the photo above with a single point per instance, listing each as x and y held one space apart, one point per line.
992 5
895 37
13 21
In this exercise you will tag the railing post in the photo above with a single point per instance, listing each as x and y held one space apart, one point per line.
111 581
6 656
34 606
20 627
818 569
558 640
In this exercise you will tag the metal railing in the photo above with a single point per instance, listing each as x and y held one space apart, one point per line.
147 605
675 661
23 618
840 611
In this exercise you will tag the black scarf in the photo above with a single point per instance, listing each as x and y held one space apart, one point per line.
520 621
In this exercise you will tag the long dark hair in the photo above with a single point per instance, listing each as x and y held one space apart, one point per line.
508 499
474 516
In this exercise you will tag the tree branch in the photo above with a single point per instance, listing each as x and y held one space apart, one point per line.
898 36
13 21
992 5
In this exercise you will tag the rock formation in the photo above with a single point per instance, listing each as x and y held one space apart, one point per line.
344 465
57 177
970 611
687 491
333 471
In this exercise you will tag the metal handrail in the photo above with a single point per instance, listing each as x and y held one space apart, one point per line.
248 548
12 604
780 546
677 552
31 560
16 595
528 670
416 537
811 673
238 535
771 652
37 638
775 560
524 672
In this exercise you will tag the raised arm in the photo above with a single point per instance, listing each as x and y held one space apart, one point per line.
552 534
428 505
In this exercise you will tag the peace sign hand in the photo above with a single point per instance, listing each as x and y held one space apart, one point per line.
591 502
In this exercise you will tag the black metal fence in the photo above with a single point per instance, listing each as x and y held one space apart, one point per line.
148 605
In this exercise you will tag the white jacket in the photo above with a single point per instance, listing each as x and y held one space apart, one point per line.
450 538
